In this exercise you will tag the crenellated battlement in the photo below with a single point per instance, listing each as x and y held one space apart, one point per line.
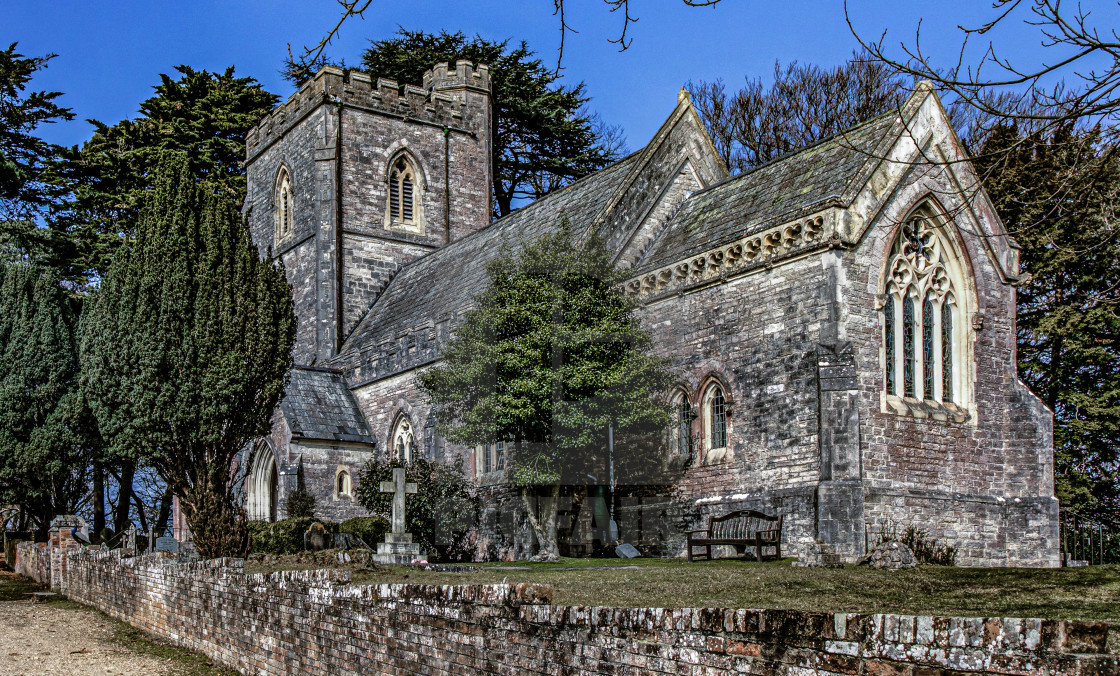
442 100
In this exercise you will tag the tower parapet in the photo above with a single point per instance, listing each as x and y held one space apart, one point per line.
441 101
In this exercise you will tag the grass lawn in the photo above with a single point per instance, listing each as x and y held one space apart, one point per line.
1091 593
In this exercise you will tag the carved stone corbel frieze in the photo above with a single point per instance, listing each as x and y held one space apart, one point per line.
758 250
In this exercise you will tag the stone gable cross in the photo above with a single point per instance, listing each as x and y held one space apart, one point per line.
399 489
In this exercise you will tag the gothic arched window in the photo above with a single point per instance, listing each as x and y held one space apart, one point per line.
682 424
403 440
920 314
342 483
282 205
403 209
713 412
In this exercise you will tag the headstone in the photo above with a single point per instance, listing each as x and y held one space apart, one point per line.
316 539
167 544
627 551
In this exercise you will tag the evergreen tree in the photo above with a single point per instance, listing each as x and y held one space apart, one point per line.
24 157
550 359
186 347
543 136
1056 192
201 114
46 435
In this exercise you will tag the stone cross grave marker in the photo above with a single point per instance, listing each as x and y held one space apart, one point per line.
399 489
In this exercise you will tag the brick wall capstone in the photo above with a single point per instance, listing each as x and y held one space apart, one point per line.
316 622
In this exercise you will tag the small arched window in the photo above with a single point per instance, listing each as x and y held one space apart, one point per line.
402 193
342 483
282 203
714 415
682 424
403 440
922 340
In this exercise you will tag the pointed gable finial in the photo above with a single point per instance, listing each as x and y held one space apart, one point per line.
682 95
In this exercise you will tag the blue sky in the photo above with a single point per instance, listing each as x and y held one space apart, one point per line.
110 52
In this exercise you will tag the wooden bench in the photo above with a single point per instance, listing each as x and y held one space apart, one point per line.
741 529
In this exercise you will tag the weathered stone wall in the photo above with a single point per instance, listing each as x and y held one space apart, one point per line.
337 131
314 622
984 484
757 335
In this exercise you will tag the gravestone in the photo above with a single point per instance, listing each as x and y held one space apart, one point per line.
627 551
316 539
398 546
167 544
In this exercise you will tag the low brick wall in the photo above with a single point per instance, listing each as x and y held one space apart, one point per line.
315 622
33 560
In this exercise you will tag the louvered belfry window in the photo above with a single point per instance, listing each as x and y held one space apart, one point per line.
401 193
921 269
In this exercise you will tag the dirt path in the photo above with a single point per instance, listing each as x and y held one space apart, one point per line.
45 639
38 638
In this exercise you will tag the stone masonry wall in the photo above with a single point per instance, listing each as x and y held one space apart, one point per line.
758 336
315 622
984 484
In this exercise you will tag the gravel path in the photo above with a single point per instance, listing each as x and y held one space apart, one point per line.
43 640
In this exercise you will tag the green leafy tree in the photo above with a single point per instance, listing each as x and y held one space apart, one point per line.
204 115
544 138
46 435
551 359
186 347
440 514
24 157
1056 192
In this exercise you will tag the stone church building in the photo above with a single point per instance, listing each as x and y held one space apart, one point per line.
842 319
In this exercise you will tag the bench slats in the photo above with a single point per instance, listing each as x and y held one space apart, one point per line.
740 528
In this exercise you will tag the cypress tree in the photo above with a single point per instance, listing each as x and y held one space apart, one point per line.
44 442
186 348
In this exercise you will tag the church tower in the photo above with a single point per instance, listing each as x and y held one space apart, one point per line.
350 179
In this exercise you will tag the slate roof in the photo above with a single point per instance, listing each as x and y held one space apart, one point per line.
785 188
444 282
317 404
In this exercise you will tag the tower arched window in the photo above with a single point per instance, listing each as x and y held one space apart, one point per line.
402 193
403 440
923 341
282 201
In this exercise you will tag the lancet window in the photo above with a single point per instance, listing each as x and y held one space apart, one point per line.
282 205
403 439
682 432
715 418
921 328
402 182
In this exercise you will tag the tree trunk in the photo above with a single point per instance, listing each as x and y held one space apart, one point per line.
544 526
165 504
219 526
98 501
124 496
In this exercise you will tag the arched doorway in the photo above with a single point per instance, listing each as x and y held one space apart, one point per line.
261 502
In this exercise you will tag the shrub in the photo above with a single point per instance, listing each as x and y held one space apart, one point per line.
371 529
926 549
301 504
282 537
441 513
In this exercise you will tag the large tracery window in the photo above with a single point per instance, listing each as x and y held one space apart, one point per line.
282 205
920 320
